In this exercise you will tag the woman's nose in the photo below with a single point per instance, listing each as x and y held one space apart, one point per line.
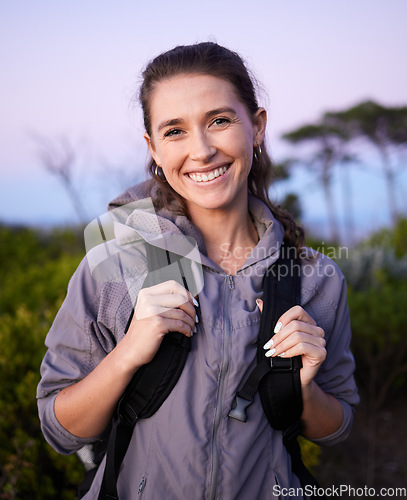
201 148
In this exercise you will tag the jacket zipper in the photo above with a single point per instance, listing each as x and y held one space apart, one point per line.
141 485
220 395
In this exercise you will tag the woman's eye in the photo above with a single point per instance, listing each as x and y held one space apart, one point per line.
173 132
221 121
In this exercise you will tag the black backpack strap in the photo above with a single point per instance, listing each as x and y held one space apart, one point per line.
150 385
278 379
280 389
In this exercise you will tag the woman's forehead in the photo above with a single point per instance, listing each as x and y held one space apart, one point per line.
184 81
191 91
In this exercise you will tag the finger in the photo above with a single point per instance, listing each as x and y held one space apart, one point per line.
181 315
169 300
295 313
168 287
297 343
166 302
156 299
159 305
297 327
259 303
164 324
294 330
189 309
315 355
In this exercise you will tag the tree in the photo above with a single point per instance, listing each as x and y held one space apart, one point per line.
328 149
385 128
291 201
58 157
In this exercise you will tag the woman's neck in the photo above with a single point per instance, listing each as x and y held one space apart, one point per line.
229 236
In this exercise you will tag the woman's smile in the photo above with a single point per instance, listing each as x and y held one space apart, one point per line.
208 176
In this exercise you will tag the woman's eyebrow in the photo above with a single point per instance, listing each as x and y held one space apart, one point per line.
219 111
170 123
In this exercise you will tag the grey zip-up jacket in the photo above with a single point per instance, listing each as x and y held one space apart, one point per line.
191 449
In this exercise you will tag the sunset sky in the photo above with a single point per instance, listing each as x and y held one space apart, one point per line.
71 69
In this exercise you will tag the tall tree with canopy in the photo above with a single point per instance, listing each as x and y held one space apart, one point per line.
385 128
327 144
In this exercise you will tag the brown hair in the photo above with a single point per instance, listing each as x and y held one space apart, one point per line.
212 59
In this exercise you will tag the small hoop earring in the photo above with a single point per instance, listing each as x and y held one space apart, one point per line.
159 176
255 153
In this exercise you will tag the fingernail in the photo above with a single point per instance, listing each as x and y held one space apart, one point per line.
281 355
270 353
258 303
195 302
196 318
192 334
195 329
278 327
268 344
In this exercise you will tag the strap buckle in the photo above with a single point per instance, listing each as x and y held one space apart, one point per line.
281 364
127 415
285 364
239 411
292 432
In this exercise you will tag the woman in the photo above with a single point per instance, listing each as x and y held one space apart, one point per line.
210 177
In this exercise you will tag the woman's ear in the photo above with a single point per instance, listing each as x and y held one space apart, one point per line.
259 122
151 148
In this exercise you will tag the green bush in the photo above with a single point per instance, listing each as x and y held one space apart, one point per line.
379 343
376 272
391 238
34 271
310 453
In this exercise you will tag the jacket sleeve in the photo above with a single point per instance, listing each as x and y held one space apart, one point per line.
89 324
329 307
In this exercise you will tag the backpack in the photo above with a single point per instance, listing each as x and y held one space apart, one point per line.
276 379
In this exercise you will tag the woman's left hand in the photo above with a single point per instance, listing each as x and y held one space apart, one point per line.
296 333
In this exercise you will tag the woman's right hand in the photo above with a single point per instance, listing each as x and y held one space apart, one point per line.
166 307
86 407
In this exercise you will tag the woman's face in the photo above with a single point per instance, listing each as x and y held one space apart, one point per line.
203 138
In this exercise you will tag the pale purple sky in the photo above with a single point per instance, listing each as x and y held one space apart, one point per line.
71 68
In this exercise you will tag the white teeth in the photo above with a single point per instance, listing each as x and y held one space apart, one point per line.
197 177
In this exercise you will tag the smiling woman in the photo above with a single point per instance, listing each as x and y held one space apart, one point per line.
210 177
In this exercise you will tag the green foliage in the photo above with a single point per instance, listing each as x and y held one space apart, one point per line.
292 204
391 239
376 273
379 342
310 453
34 271
379 124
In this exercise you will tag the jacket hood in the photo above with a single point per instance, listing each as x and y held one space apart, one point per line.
134 208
